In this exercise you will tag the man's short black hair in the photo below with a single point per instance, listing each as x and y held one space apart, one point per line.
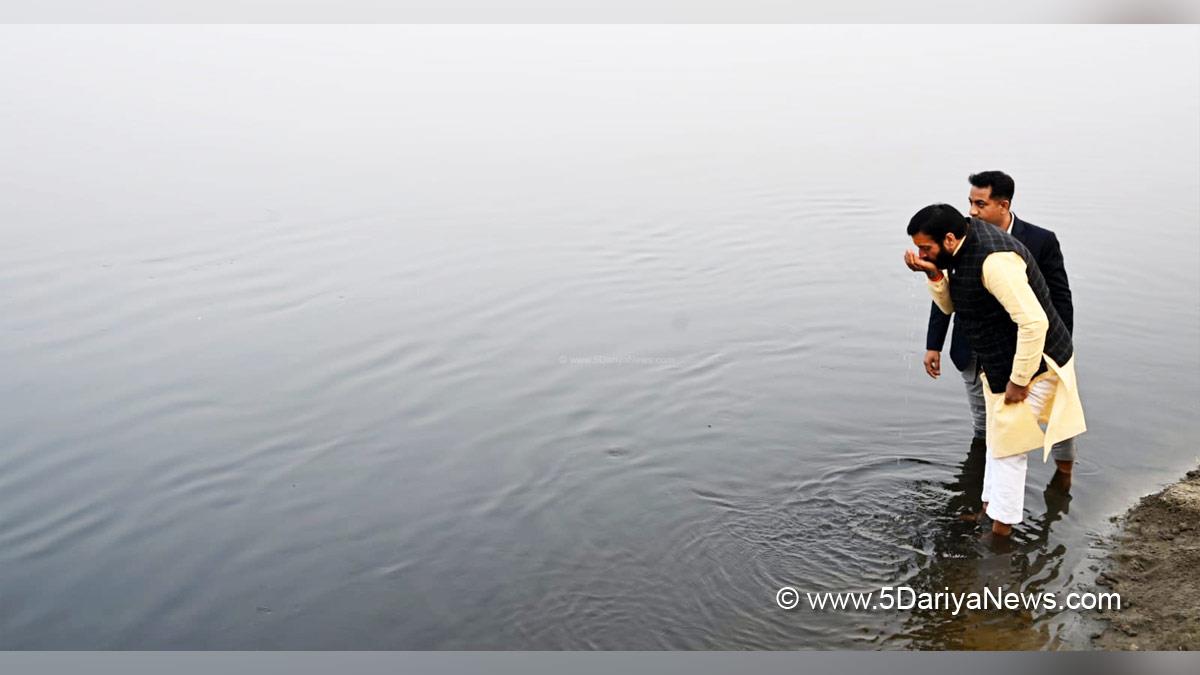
1002 184
936 220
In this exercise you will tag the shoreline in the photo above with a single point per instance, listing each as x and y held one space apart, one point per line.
1152 566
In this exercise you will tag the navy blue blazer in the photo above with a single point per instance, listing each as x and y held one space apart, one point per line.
1046 251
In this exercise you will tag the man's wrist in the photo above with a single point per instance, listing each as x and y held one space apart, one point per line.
935 277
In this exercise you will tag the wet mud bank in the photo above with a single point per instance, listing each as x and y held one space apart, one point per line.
1153 566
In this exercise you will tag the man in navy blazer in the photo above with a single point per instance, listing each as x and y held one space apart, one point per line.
991 199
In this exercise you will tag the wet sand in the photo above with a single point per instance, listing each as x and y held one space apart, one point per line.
1153 567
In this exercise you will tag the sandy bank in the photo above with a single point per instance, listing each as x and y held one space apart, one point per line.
1155 566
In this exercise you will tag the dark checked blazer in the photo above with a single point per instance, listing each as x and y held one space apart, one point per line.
990 330
1047 252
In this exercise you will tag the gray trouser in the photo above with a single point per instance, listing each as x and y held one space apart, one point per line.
1063 451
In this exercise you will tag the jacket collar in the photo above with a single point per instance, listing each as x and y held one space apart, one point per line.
1017 227
955 257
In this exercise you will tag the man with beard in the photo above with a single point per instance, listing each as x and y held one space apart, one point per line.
1023 347
990 200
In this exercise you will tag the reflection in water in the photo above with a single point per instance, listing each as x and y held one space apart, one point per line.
969 559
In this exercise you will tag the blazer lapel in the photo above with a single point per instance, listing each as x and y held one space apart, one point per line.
1018 227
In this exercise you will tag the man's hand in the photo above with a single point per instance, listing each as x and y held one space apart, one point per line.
1015 393
916 264
933 363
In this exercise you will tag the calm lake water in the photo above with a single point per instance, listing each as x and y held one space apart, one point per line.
557 337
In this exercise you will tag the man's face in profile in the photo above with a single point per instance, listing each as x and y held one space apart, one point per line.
932 251
987 209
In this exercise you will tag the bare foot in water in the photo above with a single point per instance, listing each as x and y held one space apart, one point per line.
975 517
998 544
1062 476
971 517
999 529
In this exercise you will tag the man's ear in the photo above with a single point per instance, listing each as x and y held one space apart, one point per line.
950 242
1006 204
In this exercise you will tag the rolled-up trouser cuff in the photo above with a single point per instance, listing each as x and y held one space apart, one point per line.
975 400
1063 451
1004 487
